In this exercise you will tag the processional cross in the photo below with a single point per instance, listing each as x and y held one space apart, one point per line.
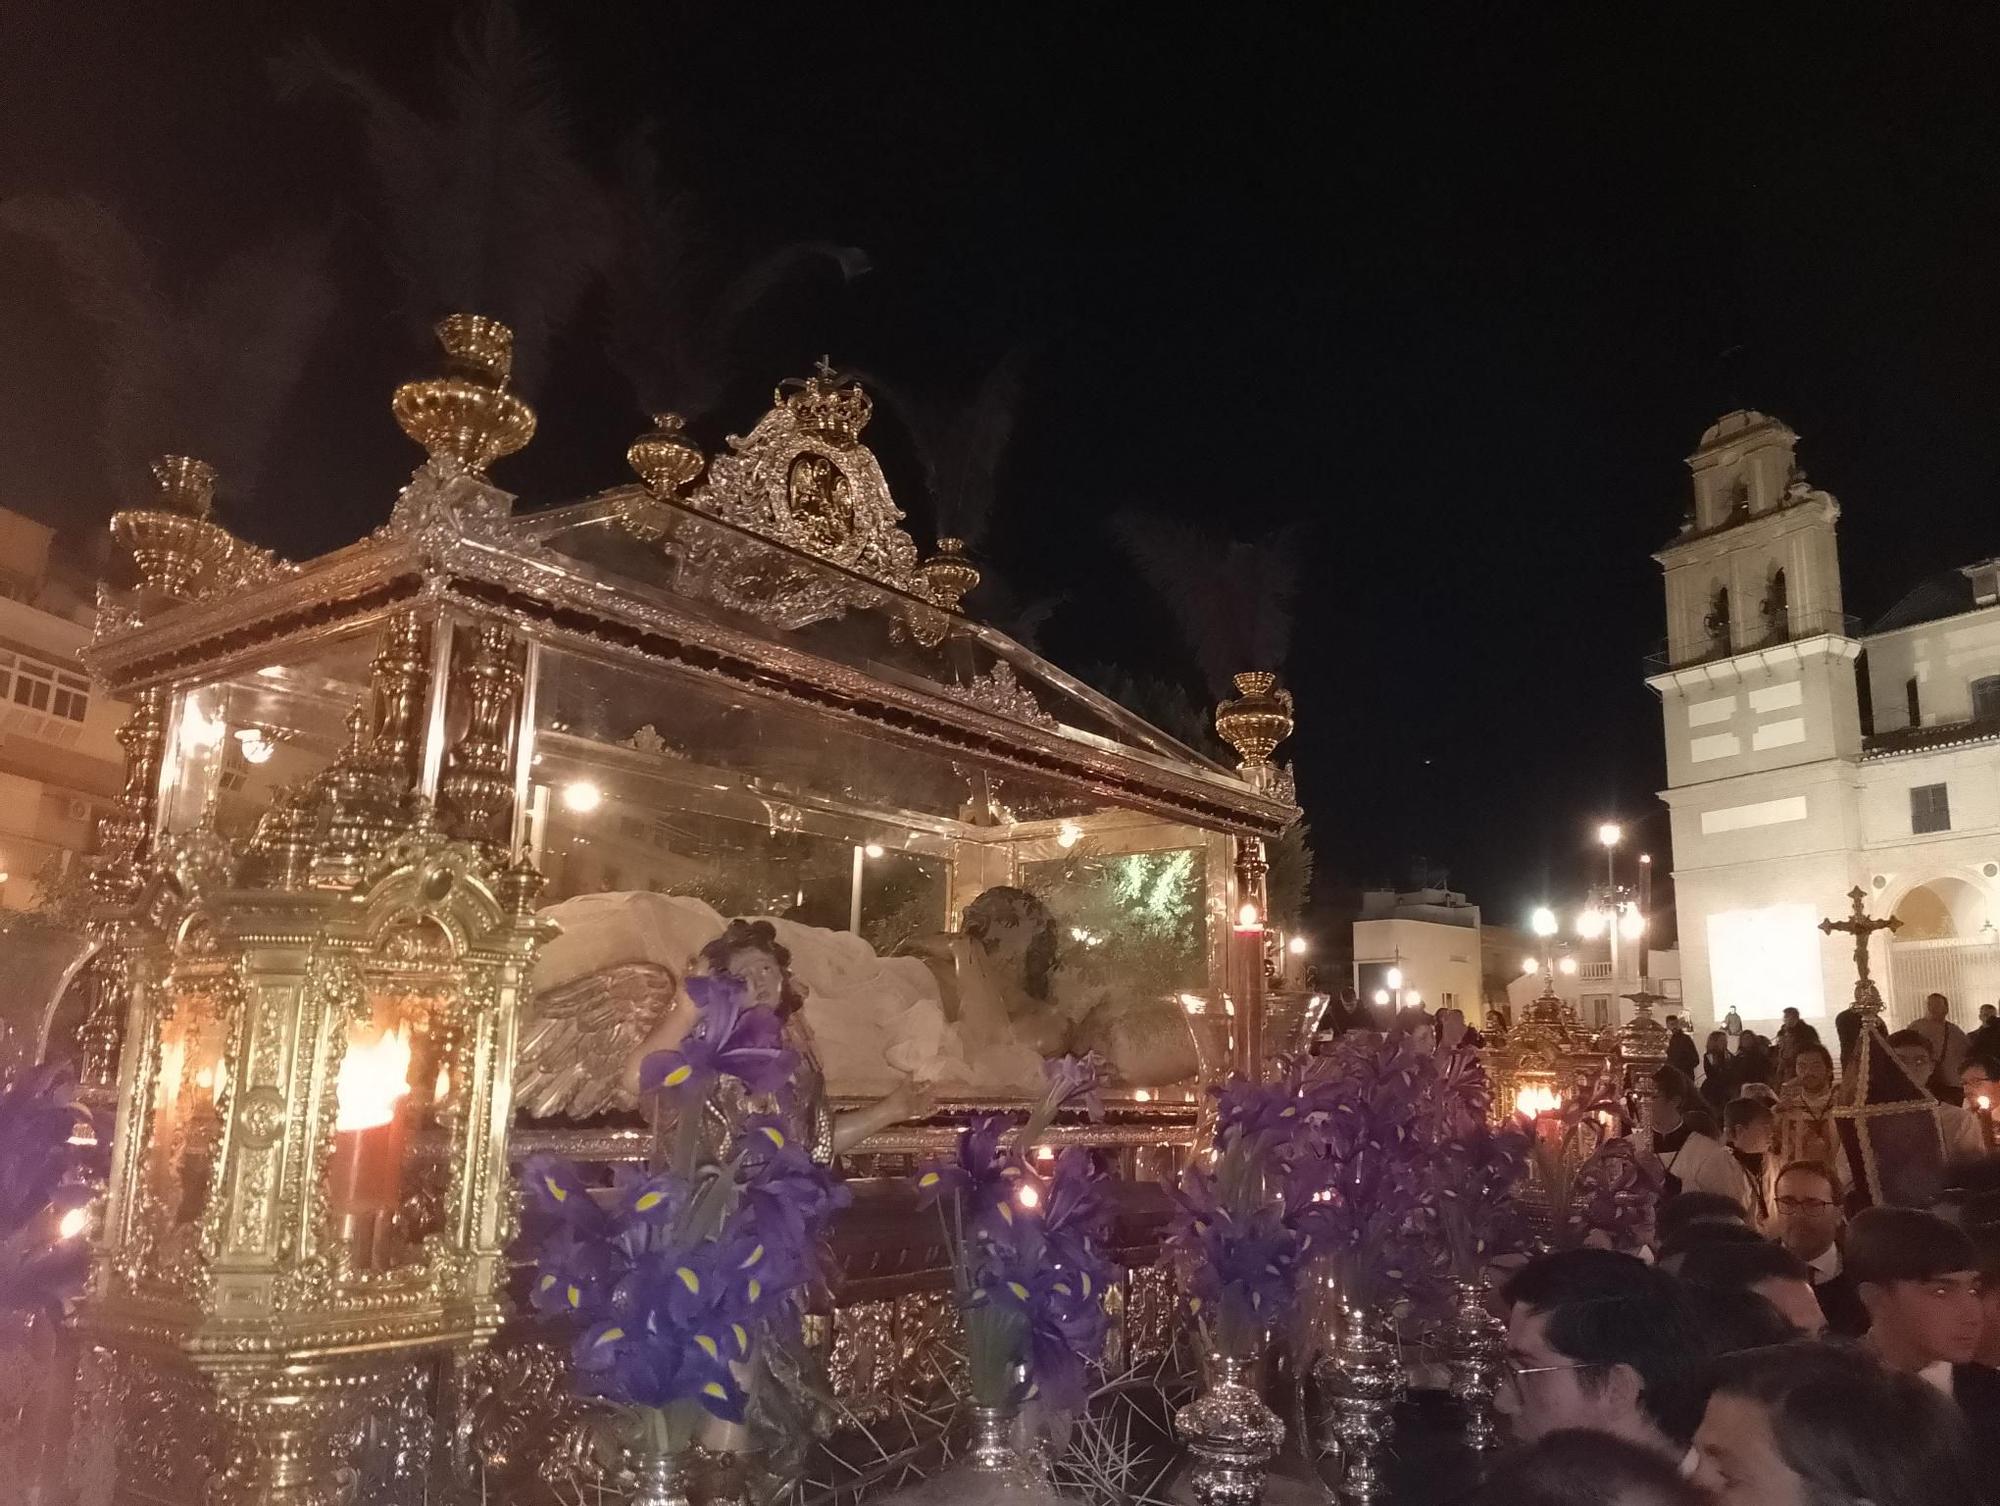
1860 926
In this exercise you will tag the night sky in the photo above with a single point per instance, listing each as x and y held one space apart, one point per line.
1454 288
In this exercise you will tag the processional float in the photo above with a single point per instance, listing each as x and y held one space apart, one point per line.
354 788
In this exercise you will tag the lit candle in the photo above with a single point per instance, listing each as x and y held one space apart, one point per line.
366 1176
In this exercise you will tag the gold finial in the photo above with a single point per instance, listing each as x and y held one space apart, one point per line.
467 415
1255 722
665 458
178 549
187 485
948 577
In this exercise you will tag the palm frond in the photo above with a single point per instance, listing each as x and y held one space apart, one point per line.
248 337
978 443
1233 600
488 209
677 314
110 280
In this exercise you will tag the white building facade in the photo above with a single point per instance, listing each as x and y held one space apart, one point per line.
60 764
1806 758
1430 938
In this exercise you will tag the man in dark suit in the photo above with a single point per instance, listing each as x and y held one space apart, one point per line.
1681 1051
1806 1219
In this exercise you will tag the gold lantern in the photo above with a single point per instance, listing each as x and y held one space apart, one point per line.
308 1192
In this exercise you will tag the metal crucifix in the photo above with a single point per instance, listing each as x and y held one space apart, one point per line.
1861 926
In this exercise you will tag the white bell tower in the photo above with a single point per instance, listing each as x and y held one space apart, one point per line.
1762 723
1759 654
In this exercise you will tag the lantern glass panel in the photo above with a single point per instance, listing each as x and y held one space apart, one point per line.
237 741
186 1125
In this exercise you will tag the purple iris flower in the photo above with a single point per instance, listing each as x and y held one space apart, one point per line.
1255 1110
40 1172
554 1190
783 1190
981 1167
729 1038
653 1201
626 1362
576 1276
1066 1330
1075 1220
1076 1079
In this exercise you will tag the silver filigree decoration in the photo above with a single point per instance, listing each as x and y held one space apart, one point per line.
804 480
1284 785
116 614
648 740
1001 693
443 504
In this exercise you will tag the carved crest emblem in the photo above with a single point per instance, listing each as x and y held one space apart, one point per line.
803 479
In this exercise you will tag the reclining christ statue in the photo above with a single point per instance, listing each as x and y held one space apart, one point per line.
974 1014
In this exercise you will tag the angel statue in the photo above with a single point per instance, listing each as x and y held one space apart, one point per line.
749 951
1013 1005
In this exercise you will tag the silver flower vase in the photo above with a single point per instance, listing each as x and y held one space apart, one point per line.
1359 1382
1232 1435
990 1450
1474 1348
659 1477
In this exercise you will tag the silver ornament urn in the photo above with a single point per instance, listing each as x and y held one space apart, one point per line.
1474 1348
1359 1382
1231 1435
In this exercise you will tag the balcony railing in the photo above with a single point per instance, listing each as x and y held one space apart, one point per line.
1802 624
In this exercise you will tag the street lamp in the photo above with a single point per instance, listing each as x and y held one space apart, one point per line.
1543 921
1610 834
1590 923
1631 921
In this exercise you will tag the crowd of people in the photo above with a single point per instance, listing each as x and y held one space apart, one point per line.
1776 1343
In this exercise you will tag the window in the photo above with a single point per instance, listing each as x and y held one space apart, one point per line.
1600 1011
42 687
34 684
1986 699
1930 808
1910 702
72 697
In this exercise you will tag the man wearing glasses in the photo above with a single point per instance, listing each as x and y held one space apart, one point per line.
1806 1218
1601 1340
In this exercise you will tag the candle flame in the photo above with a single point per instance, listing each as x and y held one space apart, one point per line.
1535 1098
373 1077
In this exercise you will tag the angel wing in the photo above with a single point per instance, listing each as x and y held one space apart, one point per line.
579 1037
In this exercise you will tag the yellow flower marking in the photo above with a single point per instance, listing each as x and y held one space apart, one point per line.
609 1336
678 1076
708 1346
648 1201
688 1279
